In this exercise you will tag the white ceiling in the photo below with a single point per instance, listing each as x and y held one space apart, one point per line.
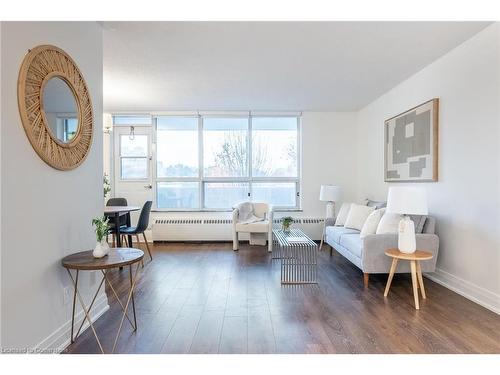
315 66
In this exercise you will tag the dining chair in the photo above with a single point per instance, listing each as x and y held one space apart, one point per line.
142 225
123 218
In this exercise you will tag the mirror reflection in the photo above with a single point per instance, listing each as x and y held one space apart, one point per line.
61 110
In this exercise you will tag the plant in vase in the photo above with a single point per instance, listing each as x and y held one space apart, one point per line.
101 231
286 223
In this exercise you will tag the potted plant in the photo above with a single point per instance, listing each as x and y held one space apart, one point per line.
101 231
286 223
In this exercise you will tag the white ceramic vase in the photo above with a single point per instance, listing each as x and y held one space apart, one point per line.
406 238
101 249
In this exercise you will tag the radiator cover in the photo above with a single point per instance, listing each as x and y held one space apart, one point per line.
217 229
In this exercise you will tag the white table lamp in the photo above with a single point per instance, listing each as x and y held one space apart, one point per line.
329 194
407 201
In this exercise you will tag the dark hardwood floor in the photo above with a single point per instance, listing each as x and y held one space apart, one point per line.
205 298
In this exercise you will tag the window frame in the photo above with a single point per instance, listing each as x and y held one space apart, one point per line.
121 157
247 179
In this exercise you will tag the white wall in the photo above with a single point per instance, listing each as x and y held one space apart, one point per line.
466 198
46 214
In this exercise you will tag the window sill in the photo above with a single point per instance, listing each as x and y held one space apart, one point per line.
220 211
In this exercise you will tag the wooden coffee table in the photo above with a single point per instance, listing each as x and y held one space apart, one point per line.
416 271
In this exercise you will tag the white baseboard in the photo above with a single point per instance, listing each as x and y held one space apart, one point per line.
467 289
58 340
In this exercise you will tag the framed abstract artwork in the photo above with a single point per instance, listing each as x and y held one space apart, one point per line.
411 144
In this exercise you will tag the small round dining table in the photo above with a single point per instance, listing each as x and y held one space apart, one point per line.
116 212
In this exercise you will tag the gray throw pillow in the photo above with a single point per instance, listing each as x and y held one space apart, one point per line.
377 205
419 221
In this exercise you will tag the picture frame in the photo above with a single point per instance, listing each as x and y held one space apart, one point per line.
411 144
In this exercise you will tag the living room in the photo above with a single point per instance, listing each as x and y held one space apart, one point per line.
270 187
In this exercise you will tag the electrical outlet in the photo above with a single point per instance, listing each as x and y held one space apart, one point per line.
66 295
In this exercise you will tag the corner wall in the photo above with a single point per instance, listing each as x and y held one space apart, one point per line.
46 214
466 200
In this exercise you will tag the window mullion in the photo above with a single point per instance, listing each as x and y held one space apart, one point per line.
249 158
201 171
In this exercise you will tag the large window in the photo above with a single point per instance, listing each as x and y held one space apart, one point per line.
212 163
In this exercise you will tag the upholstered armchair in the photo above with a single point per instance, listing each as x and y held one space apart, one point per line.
260 231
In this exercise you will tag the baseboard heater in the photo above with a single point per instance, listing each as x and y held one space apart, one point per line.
215 229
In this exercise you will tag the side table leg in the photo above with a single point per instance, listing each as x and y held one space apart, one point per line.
421 280
414 282
126 305
75 286
85 311
132 292
391 275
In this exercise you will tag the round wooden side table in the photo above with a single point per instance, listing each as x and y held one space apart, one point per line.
416 271
85 261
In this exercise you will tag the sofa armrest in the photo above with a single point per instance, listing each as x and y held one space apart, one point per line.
374 259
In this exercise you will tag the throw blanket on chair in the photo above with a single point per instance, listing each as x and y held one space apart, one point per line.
246 214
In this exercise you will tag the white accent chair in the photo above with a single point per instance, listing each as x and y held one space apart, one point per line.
259 231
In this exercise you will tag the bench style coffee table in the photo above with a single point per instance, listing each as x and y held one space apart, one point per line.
85 261
298 255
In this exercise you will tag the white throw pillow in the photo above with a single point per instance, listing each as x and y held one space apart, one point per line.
357 216
371 223
389 223
342 216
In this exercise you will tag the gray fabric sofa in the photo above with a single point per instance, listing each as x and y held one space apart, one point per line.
368 253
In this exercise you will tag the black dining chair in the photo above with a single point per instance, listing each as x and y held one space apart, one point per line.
142 225
123 219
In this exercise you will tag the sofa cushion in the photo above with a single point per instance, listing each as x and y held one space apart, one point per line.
389 223
342 216
353 243
377 205
335 233
257 227
419 221
371 223
357 216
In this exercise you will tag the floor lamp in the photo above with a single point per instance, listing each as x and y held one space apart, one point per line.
329 194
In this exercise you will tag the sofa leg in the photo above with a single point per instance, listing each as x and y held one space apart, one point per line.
366 278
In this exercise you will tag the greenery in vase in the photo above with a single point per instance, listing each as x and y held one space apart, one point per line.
101 227
286 222
107 185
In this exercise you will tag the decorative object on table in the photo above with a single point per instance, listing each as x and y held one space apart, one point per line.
407 201
329 194
286 223
101 232
411 144
55 107
106 185
298 255
261 231
416 270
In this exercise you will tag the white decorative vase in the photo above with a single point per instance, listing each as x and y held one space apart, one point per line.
406 239
101 249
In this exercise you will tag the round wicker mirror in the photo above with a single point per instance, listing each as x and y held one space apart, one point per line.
55 107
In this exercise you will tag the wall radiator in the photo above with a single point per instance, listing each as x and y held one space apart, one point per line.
216 229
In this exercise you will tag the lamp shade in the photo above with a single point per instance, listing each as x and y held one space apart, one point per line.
407 200
329 193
